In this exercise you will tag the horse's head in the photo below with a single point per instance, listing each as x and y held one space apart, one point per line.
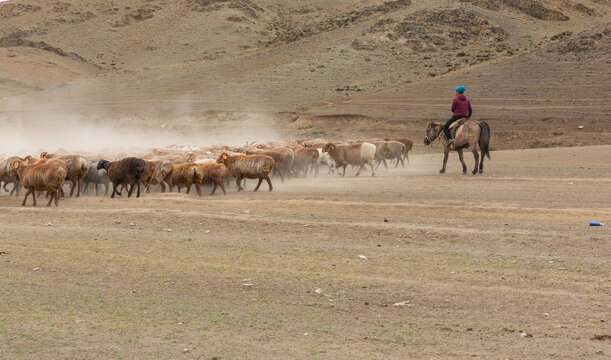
432 131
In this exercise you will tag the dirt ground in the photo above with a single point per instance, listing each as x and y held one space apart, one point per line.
495 266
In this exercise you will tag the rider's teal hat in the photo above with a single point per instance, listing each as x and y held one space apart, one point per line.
461 89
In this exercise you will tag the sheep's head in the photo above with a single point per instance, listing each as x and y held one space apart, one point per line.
43 154
222 158
328 147
16 164
101 164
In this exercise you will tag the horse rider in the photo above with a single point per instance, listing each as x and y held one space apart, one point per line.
461 108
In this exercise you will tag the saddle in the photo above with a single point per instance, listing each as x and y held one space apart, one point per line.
455 126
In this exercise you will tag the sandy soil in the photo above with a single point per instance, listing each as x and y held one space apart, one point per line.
502 265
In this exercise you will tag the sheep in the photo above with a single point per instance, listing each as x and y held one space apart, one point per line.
409 144
326 159
187 174
359 154
148 173
45 176
29 160
213 173
126 171
278 160
96 177
248 167
9 177
162 175
77 169
305 157
289 157
392 150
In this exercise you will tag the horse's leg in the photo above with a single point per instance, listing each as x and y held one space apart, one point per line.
462 161
476 156
446 153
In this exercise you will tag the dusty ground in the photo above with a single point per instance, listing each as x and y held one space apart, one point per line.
502 265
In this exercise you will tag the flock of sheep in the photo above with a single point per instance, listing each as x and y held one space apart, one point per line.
188 167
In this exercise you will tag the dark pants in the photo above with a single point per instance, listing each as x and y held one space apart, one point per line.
445 129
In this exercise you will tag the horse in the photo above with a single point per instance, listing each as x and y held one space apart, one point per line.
471 135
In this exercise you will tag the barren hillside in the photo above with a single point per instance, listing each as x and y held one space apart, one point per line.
291 59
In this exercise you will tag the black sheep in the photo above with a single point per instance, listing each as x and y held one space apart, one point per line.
127 171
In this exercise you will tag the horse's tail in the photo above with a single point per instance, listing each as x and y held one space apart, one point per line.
484 139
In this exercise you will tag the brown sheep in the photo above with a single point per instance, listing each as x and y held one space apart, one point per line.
214 173
278 160
9 177
162 175
358 154
47 177
248 167
77 169
409 144
186 175
392 150
305 157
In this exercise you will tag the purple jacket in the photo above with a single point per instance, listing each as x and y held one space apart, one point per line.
461 106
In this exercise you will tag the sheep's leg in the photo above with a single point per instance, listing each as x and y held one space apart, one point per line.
385 164
222 187
97 191
213 189
131 189
162 187
259 184
138 193
373 173
281 177
72 185
359 170
269 182
188 188
402 163
316 169
51 197
106 192
198 188
78 188
238 181
26 197
344 172
34 198
407 157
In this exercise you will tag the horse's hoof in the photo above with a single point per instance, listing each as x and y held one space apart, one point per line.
474 172
481 171
442 171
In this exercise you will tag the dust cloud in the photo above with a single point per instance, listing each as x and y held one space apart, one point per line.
28 134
